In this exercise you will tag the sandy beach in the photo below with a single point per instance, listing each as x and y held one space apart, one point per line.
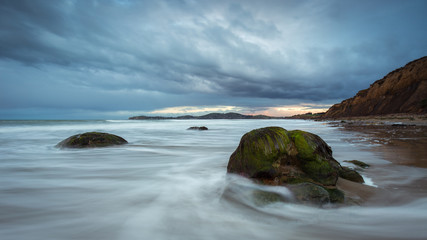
402 142
390 119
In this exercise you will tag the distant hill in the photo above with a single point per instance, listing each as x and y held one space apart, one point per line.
207 116
403 90
308 115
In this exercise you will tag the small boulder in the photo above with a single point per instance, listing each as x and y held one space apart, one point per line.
203 128
91 140
358 163
350 174
310 193
335 195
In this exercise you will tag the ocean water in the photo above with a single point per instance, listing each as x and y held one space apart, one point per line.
171 183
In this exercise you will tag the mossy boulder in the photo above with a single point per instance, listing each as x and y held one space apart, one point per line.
91 140
286 156
275 156
261 153
315 157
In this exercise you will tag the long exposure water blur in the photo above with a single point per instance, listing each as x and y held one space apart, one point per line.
171 183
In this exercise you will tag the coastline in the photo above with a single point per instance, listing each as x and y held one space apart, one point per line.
390 119
401 141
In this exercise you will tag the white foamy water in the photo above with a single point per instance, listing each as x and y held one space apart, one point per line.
171 183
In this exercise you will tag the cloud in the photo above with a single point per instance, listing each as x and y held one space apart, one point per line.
125 55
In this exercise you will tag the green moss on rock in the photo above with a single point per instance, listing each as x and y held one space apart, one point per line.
316 157
260 152
274 152
91 140
297 159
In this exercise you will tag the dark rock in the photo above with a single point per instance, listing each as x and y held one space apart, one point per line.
350 174
292 157
259 153
335 195
402 125
275 156
91 140
203 128
315 157
310 193
358 163
264 198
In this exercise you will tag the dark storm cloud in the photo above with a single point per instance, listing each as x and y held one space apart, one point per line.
214 51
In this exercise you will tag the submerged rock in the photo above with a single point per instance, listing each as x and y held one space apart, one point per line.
297 159
91 140
310 193
203 128
358 163
262 198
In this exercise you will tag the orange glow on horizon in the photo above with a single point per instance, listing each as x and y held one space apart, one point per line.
291 110
281 111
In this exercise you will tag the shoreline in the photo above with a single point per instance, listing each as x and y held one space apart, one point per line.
390 119
402 142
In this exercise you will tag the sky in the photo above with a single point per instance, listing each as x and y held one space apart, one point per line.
113 59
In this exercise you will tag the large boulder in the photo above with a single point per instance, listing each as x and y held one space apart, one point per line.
91 140
275 156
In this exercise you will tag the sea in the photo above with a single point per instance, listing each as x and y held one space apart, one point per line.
172 183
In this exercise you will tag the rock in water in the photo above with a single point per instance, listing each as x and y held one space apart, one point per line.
275 156
260 152
358 163
203 128
310 193
315 158
91 140
350 174
273 153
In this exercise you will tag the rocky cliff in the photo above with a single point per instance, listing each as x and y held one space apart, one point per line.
403 90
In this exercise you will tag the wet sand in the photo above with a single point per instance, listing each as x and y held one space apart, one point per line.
400 143
391 119
402 177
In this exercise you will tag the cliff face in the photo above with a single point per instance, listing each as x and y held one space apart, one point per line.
402 91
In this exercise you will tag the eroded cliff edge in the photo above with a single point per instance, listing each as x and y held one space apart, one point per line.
403 90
